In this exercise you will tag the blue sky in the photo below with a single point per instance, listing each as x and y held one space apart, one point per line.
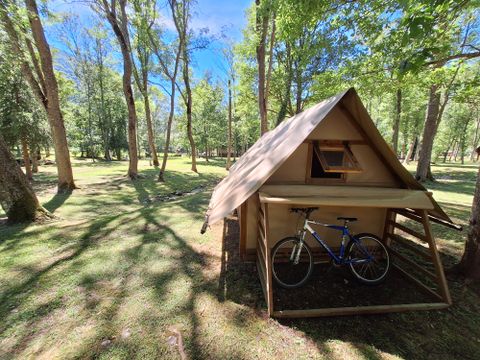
227 17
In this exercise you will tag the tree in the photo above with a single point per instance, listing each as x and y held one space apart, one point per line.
17 197
470 263
119 24
262 13
144 16
181 17
166 55
41 79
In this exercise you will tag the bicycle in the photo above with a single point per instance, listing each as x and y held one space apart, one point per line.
365 255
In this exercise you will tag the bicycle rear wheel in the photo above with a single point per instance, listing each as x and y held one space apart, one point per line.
369 258
292 263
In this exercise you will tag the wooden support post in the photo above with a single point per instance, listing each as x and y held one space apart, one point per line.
388 228
243 230
268 262
437 262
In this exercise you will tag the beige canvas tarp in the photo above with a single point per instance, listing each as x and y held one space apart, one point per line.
254 168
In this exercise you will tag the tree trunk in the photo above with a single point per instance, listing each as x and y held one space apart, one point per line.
26 159
188 105
429 131
261 29
55 117
35 154
121 32
396 123
151 140
229 135
410 153
169 130
16 194
470 263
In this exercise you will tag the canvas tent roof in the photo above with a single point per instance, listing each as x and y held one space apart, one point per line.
254 168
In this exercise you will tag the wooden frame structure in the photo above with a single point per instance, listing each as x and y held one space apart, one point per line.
440 292
276 173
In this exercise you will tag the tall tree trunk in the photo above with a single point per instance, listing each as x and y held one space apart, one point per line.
452 144
151 140
229 135
121 32
475 140
35 155
470 263
188 105
54 115
411 150
26 159
16 194
396 122
429 131
261 29
168 133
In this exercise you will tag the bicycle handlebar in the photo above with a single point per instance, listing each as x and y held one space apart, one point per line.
307 211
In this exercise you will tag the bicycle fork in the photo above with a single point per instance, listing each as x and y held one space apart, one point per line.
295 255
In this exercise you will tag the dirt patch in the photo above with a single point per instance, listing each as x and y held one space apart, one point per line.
329 286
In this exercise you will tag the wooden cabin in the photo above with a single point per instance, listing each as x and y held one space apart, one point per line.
331 156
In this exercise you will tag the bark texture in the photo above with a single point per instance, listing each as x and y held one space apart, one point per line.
16 194
470 263
261 29
396 123
229 135
188 105
26 159
49 88
120 28
430 129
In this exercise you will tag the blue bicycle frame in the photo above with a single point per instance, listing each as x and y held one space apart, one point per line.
340 259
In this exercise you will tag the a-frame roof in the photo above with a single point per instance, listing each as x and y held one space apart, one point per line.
254 168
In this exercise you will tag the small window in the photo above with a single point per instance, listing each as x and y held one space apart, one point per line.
332 160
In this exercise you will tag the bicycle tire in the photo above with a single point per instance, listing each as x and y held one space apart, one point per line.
361 276
276 263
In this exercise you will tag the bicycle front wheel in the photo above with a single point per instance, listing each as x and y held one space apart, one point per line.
292 263
369 261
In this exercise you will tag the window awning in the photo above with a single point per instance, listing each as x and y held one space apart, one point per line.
354 196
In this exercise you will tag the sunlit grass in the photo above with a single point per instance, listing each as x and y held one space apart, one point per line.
119 273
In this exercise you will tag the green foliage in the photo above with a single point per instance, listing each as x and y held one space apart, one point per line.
20 114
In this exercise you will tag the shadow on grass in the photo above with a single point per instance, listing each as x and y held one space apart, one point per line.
56 201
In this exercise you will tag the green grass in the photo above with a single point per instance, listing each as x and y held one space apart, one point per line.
120 273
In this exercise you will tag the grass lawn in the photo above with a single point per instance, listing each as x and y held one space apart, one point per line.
122 275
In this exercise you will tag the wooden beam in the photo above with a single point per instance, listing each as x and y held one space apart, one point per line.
409 231
437 262
417 282
411 215
387 228
262 278
243 229
413 264
358 310
408 244
268 263
335 142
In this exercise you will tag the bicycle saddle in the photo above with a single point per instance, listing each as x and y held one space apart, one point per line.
347 218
